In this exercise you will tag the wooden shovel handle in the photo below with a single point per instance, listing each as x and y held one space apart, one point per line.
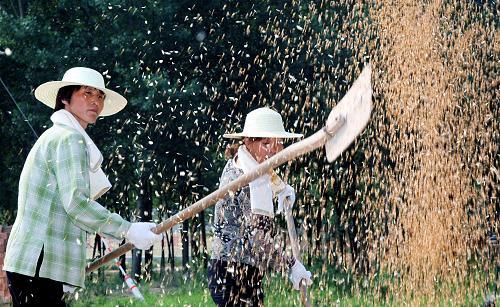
309 144
295 249
356 97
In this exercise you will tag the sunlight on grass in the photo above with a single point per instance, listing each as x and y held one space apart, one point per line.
334 288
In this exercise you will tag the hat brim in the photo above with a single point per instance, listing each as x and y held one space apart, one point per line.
278 135
47 93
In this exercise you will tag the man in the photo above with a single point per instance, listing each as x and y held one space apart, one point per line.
59 183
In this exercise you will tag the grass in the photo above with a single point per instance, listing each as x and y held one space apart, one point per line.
332 288
174 290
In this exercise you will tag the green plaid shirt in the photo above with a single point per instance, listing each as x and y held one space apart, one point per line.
55 210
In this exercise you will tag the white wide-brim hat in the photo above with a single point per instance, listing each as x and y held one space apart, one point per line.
47 92
263 123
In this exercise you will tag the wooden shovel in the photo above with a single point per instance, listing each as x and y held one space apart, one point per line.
294 242
278 186
345 122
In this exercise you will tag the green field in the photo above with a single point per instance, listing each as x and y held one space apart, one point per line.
333 288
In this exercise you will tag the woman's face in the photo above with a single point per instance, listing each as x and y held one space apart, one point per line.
263 148
86 104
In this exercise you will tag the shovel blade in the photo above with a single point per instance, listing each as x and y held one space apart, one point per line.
355 108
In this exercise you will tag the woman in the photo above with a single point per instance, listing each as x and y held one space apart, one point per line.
245 237
60 181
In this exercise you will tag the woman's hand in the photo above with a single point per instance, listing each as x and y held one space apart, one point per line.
289 193
141 236
299 272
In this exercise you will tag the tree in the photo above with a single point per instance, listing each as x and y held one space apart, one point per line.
191 71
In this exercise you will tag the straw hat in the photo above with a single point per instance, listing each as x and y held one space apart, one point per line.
264 123
47 92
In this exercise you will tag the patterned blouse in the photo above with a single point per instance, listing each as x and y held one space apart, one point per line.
244 237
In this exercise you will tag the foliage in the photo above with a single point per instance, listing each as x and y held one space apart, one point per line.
190 71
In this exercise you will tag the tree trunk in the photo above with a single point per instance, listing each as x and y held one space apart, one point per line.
21 11
195 252
136 264
203 236
172 250
310 240
204 249
147 216
148 263
162 259
169 237
185 243
123 260
319 225
145 208
97 252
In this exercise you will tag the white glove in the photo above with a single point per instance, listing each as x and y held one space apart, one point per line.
68 289
141 236
298 273
289 192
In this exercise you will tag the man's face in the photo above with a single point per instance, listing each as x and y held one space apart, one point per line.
86 104
263 148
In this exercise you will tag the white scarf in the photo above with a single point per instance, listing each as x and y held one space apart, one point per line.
261 193
99 183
